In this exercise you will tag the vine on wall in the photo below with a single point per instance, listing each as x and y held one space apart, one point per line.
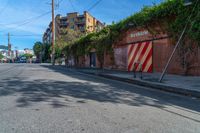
170 15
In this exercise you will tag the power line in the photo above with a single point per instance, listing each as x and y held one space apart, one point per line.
42 15
3 9
72 5
60 1
38 6
27 22
58 4
22 35
24 21
94 5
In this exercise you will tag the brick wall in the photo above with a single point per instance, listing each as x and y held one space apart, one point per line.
195 67
162 49
120 58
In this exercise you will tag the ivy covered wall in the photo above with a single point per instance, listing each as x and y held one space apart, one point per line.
170 15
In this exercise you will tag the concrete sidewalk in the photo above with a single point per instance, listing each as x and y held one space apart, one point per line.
186 85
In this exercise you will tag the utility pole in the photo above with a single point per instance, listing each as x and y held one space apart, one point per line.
53 35
16 52
9 45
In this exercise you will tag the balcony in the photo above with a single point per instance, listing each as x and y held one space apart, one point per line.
81 28
81 16
80 21
64 23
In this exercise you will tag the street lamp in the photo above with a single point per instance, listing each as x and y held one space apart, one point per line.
132 23
187 2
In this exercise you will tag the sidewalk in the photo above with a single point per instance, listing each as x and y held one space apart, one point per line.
186 85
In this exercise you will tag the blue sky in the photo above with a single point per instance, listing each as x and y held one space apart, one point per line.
14 12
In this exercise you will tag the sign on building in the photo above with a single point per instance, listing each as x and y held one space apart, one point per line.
140 33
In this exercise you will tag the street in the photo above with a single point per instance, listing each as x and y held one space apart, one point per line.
51 99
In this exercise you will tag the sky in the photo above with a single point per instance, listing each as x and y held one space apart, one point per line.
27 20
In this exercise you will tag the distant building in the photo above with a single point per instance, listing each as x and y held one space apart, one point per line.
14 54
48 35
25 51
28 51
4 52
84 23
8 54
20 52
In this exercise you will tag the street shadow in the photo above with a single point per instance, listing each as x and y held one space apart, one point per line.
59 94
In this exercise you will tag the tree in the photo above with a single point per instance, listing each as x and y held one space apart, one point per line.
103 44
1 56
46 52
67 38
37 48
28 56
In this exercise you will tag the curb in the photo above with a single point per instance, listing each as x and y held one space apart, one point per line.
157 86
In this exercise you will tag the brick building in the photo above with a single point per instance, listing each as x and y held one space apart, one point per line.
152 52
84 23
148 49
138 50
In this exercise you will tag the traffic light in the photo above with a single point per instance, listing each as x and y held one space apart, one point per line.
187 2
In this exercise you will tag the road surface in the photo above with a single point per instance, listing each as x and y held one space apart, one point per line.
45 99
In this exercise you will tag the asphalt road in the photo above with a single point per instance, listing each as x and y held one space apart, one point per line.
46 99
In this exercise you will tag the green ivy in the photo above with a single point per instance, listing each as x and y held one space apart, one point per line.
1 56
171 13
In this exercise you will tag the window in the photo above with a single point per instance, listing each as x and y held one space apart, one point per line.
63 22
82 20
82 28
71 20
72 27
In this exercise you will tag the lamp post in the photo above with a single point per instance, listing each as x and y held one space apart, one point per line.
187 2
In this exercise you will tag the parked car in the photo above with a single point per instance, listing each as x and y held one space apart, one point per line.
37 61
22 61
